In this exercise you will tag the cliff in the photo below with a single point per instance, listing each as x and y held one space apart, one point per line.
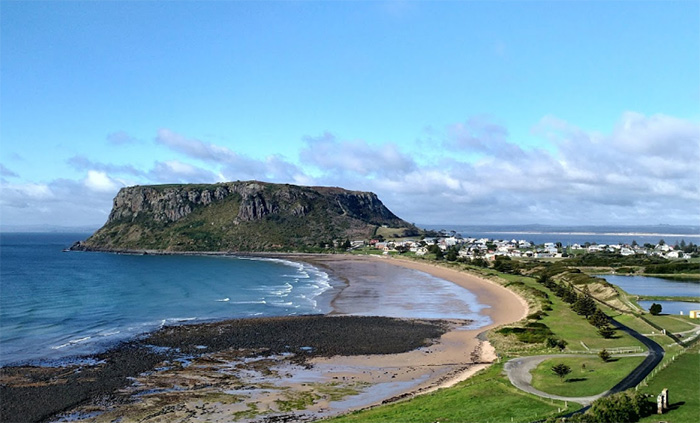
239 216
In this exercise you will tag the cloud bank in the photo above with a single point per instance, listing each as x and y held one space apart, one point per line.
644 171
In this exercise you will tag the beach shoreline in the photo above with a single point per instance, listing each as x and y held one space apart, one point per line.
367 380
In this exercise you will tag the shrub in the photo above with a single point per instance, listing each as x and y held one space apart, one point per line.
628 406
554 342
655 309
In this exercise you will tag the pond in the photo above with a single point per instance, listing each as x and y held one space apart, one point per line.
646 285
671 307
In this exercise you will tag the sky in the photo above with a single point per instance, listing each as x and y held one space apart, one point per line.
453 112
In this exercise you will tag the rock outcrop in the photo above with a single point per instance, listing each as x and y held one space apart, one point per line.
239 216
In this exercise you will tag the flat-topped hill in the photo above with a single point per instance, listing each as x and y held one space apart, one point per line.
239 216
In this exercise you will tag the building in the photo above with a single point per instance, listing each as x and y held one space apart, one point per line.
694 314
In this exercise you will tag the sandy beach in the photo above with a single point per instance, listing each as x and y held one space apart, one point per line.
459 353
298 368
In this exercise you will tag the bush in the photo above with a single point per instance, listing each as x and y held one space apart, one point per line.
628 406
553 342
532 333
655 309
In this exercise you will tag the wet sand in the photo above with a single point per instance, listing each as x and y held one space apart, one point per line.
460 352
302 369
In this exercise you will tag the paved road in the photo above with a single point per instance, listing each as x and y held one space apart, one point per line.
518 370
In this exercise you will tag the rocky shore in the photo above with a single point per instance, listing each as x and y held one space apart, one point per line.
39 393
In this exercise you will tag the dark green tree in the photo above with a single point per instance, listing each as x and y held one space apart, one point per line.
604 355
655 309
561 370
606 331
598 319
451 254
584 305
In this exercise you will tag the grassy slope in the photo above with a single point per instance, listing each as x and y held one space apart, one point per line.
596 377
479 399
682 378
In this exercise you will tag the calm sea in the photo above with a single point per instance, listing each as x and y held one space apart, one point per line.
56 304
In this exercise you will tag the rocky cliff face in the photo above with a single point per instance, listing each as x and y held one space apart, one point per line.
239 216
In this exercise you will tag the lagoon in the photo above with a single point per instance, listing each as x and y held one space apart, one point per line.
671 307
646 285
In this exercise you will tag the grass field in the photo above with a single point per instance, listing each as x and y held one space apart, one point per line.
485 397
571 327
682 378
673 323
589 375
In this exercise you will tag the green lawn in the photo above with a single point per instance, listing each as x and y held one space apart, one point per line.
682 378
485 397
589 375
673 323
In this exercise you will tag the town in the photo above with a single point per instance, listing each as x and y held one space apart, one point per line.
458 247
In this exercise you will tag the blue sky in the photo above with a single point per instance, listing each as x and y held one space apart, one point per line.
453 112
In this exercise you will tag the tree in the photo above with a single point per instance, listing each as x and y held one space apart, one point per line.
606 332
655 309
561 370
451 254
599 319
347 244
604 355
584 305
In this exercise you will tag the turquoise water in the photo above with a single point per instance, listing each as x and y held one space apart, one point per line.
56 304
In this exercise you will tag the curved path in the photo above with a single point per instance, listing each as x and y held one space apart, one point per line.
518 369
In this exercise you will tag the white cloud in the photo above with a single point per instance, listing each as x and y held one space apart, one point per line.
195 148
646 168
356 157
173 171
100 181
644 171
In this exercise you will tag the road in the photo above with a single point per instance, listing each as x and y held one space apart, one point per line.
518 370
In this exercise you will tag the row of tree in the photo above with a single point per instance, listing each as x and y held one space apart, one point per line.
582 303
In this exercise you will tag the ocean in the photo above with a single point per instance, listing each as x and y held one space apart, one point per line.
57 306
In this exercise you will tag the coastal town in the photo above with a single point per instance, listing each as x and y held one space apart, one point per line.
488 249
